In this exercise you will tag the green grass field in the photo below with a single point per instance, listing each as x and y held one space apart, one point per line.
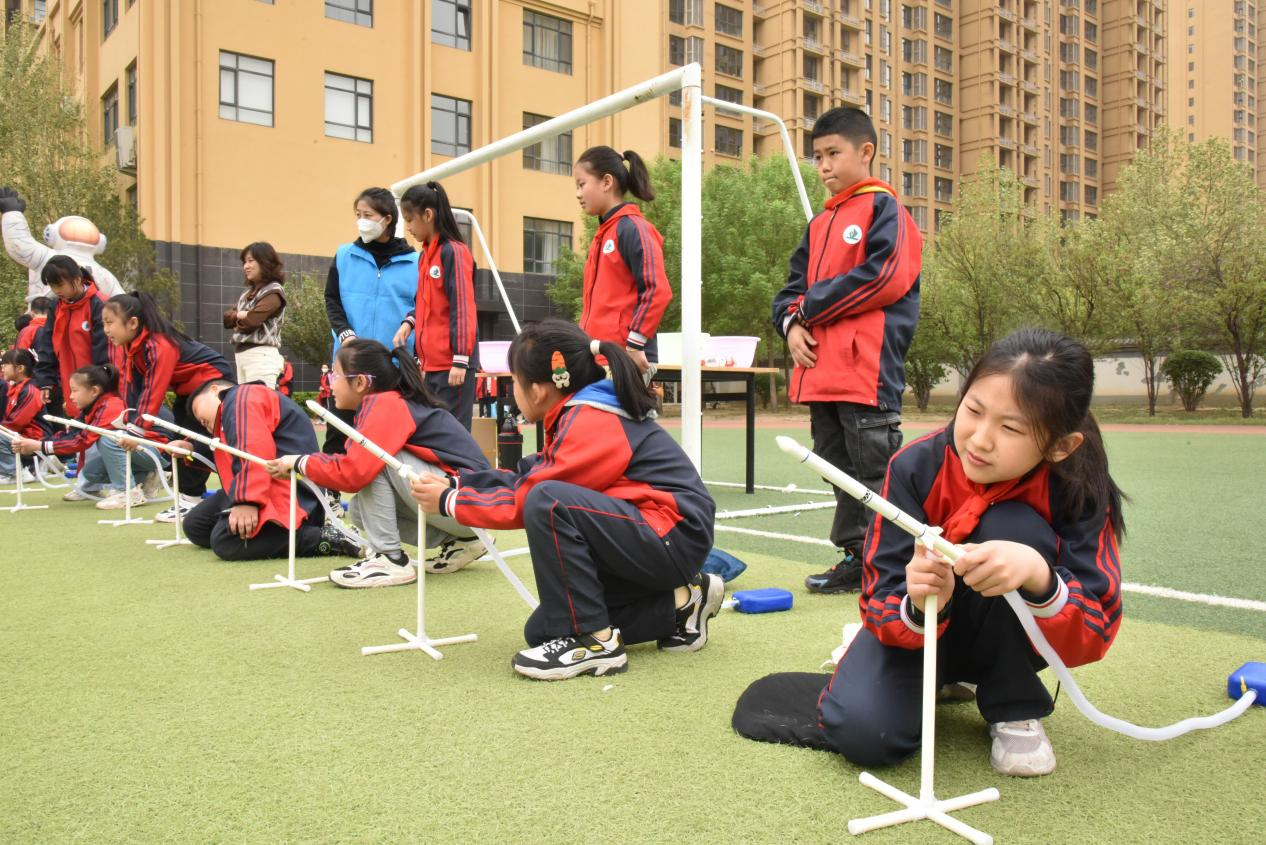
149 696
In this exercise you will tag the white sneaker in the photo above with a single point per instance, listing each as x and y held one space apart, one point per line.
28 477
153 485
7 479
374 571
75 495
1021 749
54 464
117 501
187 503
455 554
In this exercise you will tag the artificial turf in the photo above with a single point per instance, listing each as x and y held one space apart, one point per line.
149 696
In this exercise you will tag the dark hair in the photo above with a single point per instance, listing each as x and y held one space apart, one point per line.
19 358
533 348
63 268
102 376
431 196
634 179
393 369
380 200
22 321
144 308
41 305
270 263
851 124
1053 377
205 386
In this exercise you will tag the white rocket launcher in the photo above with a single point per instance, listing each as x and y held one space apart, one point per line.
17 476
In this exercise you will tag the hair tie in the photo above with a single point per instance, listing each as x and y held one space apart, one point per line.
595 346
558 368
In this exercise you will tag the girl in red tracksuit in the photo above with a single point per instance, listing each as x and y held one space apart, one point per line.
626 290
397 412
443 320
73 336
22 406
1020 477
618 521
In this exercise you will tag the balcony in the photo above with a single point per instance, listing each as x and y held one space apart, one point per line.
816 8
813 85
1006 45
762 12
850 58
1006 143
1029 181
1030 56
807 123
850 21
1029 118
813 45
761 90
1029 150
1005 110
1029 24
858 100
764 51
1007 15
1006 78
1138 74
1030 87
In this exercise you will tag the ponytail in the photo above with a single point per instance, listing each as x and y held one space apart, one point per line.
634 179
394 369
21 358
1087 486
144 308
432 196
531 361
104 377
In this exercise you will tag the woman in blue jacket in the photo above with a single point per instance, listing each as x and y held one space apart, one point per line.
373 282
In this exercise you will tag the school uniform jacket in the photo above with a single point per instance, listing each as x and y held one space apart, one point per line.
444 314
26 337
262 422
22 405
75 441
626 289
854 281
154 364
1080 614
388 419
71 338
590 441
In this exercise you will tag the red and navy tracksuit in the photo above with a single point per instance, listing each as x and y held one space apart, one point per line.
854 284
153 364
71 338
871 709
75 441
445 322
26 337
264 423
616 519
21 410
626 289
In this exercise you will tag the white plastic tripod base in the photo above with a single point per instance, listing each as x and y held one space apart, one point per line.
167 544
415 643
289 581
136 520
918 809
21 507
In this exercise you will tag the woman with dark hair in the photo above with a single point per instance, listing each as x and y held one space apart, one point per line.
372 283
256 321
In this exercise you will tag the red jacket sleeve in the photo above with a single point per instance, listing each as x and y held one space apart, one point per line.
248 421
644 257
383 418
459 287
149 395
20 415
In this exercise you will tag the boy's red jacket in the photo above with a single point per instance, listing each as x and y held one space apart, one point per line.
626 289
22 405
153 364
925 479
854 282
394 423
72 338
26 337
444 315
100 413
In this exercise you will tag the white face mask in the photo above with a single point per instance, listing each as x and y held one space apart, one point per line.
371 230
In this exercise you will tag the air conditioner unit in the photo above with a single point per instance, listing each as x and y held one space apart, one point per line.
125 146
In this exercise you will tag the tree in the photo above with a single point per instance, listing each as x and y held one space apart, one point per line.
1190 373
46 156
931 350
306 332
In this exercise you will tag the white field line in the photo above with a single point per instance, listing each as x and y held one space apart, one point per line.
791 488
808 506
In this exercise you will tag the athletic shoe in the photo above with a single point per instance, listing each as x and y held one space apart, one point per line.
1021 749
956 691
153 486
844 577
117 500
335 543
374 571
567 657
7 479
692 619
187 503
335 500
455 554
54 464
74 494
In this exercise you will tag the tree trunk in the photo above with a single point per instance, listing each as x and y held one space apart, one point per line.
773 377
1149 377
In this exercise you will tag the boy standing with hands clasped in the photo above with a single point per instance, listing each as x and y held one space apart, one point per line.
848 313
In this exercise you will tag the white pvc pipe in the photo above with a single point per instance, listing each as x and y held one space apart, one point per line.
792 158
462 213
692 263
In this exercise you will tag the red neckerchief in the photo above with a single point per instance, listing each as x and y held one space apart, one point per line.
72 337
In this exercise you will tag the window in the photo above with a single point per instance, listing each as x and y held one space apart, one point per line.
914 84
1092 87
1092 114
110 114
1068 191
730 95
39 11
450 125
694 50
729 21
1070 163
1092 32
919 214
1068 136
729 140
246 89
944 125
913 17
1092 140
109 17
914 152
688 12
1069 107
943 25
552 155
674 132
130 78
944 189
914 51
885 109
729 61
132 199
914 117
943 91
1069 80
546 42
359 12
543 241
1092 195
812 105
349 107
450 23
1092 59
676 50
944 59
944 157
914 184
1092 168
1069 53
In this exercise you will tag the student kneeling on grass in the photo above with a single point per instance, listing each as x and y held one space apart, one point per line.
618 521
397 411
248 518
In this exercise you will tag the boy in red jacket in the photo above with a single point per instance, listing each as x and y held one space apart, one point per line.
848 312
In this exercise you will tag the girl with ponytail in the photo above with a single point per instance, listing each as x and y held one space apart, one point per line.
625 290
1020 478
617 519
443 319
394 408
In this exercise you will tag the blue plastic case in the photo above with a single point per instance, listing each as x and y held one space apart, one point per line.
767 600
1250 676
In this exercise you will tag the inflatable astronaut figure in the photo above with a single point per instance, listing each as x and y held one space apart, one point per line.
77 237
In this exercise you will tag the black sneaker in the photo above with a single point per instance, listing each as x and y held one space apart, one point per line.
334 499
692 620
844 577
567 657
335 543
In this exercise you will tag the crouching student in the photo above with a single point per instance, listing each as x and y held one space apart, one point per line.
21 408
248 518
618 521
397 411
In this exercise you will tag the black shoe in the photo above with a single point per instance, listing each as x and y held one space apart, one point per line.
334 499
567 657
335 543
705 601
844 577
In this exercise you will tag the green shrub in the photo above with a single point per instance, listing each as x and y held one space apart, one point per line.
1190 372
